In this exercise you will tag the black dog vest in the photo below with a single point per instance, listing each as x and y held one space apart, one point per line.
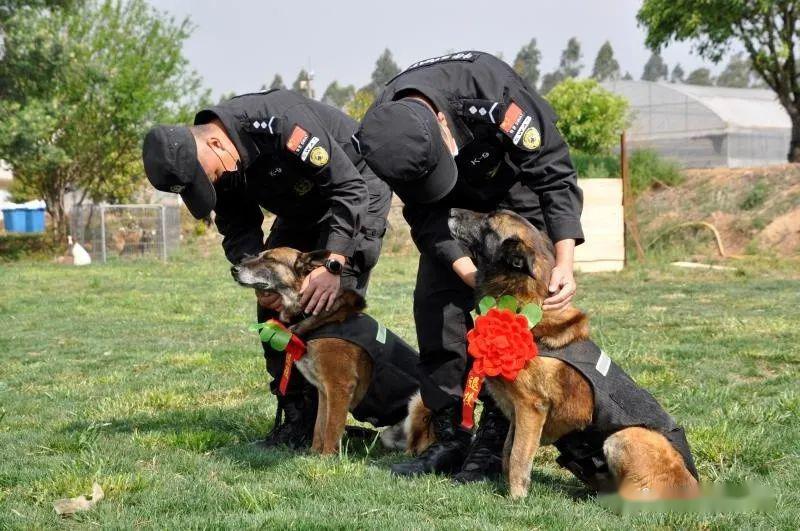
394 372
618 403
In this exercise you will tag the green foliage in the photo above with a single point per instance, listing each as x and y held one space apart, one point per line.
737 74
569 66
26 246
338 95
595 166
655 69
606 66
766 29
526 64
677 75
590 117
357 107
755 197
385 69
700 76
78 88
648 167
277 83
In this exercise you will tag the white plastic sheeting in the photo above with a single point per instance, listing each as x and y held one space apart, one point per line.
707 126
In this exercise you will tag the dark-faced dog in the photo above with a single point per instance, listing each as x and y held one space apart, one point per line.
611 434
341 370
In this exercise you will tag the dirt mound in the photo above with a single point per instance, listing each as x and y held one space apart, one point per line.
755 210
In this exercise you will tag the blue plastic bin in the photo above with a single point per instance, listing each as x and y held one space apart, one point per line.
34 220
23 219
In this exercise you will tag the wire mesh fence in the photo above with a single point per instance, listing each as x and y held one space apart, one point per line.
114 232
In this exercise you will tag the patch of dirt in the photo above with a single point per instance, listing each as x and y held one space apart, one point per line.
755 210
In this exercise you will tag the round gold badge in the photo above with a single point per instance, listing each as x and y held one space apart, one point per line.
318 156
531 138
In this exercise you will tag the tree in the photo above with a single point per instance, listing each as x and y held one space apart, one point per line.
302 84
569 66
79 86
277 83
526 64
385 69
655 69
700 76
590 117
768 31
737 73
362 100
550 80
606 66
677 74
337 95
627 76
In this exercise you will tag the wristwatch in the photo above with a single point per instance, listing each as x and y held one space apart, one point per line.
333 266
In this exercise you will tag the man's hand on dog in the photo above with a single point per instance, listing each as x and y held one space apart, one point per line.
562 280
320 288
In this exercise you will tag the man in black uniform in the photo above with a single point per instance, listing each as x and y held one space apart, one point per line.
294 157
464 130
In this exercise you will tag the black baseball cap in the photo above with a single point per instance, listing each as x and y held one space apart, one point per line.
171 165
403 145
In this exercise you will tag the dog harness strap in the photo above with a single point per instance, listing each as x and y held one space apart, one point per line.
471 392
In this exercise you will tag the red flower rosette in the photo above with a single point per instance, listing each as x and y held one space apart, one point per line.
501 344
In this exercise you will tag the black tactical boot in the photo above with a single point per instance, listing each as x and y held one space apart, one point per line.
485 458
446 454
294 420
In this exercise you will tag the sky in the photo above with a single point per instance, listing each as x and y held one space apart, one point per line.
238 45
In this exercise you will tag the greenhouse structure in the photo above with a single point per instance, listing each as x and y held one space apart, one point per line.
703 126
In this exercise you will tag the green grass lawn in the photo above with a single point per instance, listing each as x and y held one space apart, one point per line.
143 377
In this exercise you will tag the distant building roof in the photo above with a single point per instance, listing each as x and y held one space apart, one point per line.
702 107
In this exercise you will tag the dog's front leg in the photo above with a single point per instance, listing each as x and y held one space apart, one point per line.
340 394
320 424
528 422
507 448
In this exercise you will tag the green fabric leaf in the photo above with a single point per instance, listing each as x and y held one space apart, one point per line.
533 313
256 327
266 334
280 340
486 303
508 302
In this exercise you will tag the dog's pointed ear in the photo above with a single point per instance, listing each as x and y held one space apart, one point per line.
516 255
307 262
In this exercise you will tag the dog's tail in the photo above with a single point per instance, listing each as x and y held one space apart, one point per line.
418 427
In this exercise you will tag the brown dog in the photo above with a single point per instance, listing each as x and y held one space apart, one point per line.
633 447
341 370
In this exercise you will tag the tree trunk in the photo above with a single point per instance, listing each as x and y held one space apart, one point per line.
794 145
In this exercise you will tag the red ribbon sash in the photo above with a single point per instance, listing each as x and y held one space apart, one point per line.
295 350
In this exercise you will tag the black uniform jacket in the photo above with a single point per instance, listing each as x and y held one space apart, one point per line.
299 164
508 144
618 403
394 369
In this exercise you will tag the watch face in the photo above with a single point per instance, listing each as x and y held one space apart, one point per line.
333 266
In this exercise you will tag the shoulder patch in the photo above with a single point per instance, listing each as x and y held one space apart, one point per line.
519 127
302 144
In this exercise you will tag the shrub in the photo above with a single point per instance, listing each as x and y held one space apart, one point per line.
755 197
590 117
593 166
648 167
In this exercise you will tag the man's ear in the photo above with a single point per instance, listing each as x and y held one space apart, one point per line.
516 255
307 262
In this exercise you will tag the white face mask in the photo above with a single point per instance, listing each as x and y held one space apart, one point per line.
453 147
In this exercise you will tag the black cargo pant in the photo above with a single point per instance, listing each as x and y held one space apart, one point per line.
355 276
442 306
